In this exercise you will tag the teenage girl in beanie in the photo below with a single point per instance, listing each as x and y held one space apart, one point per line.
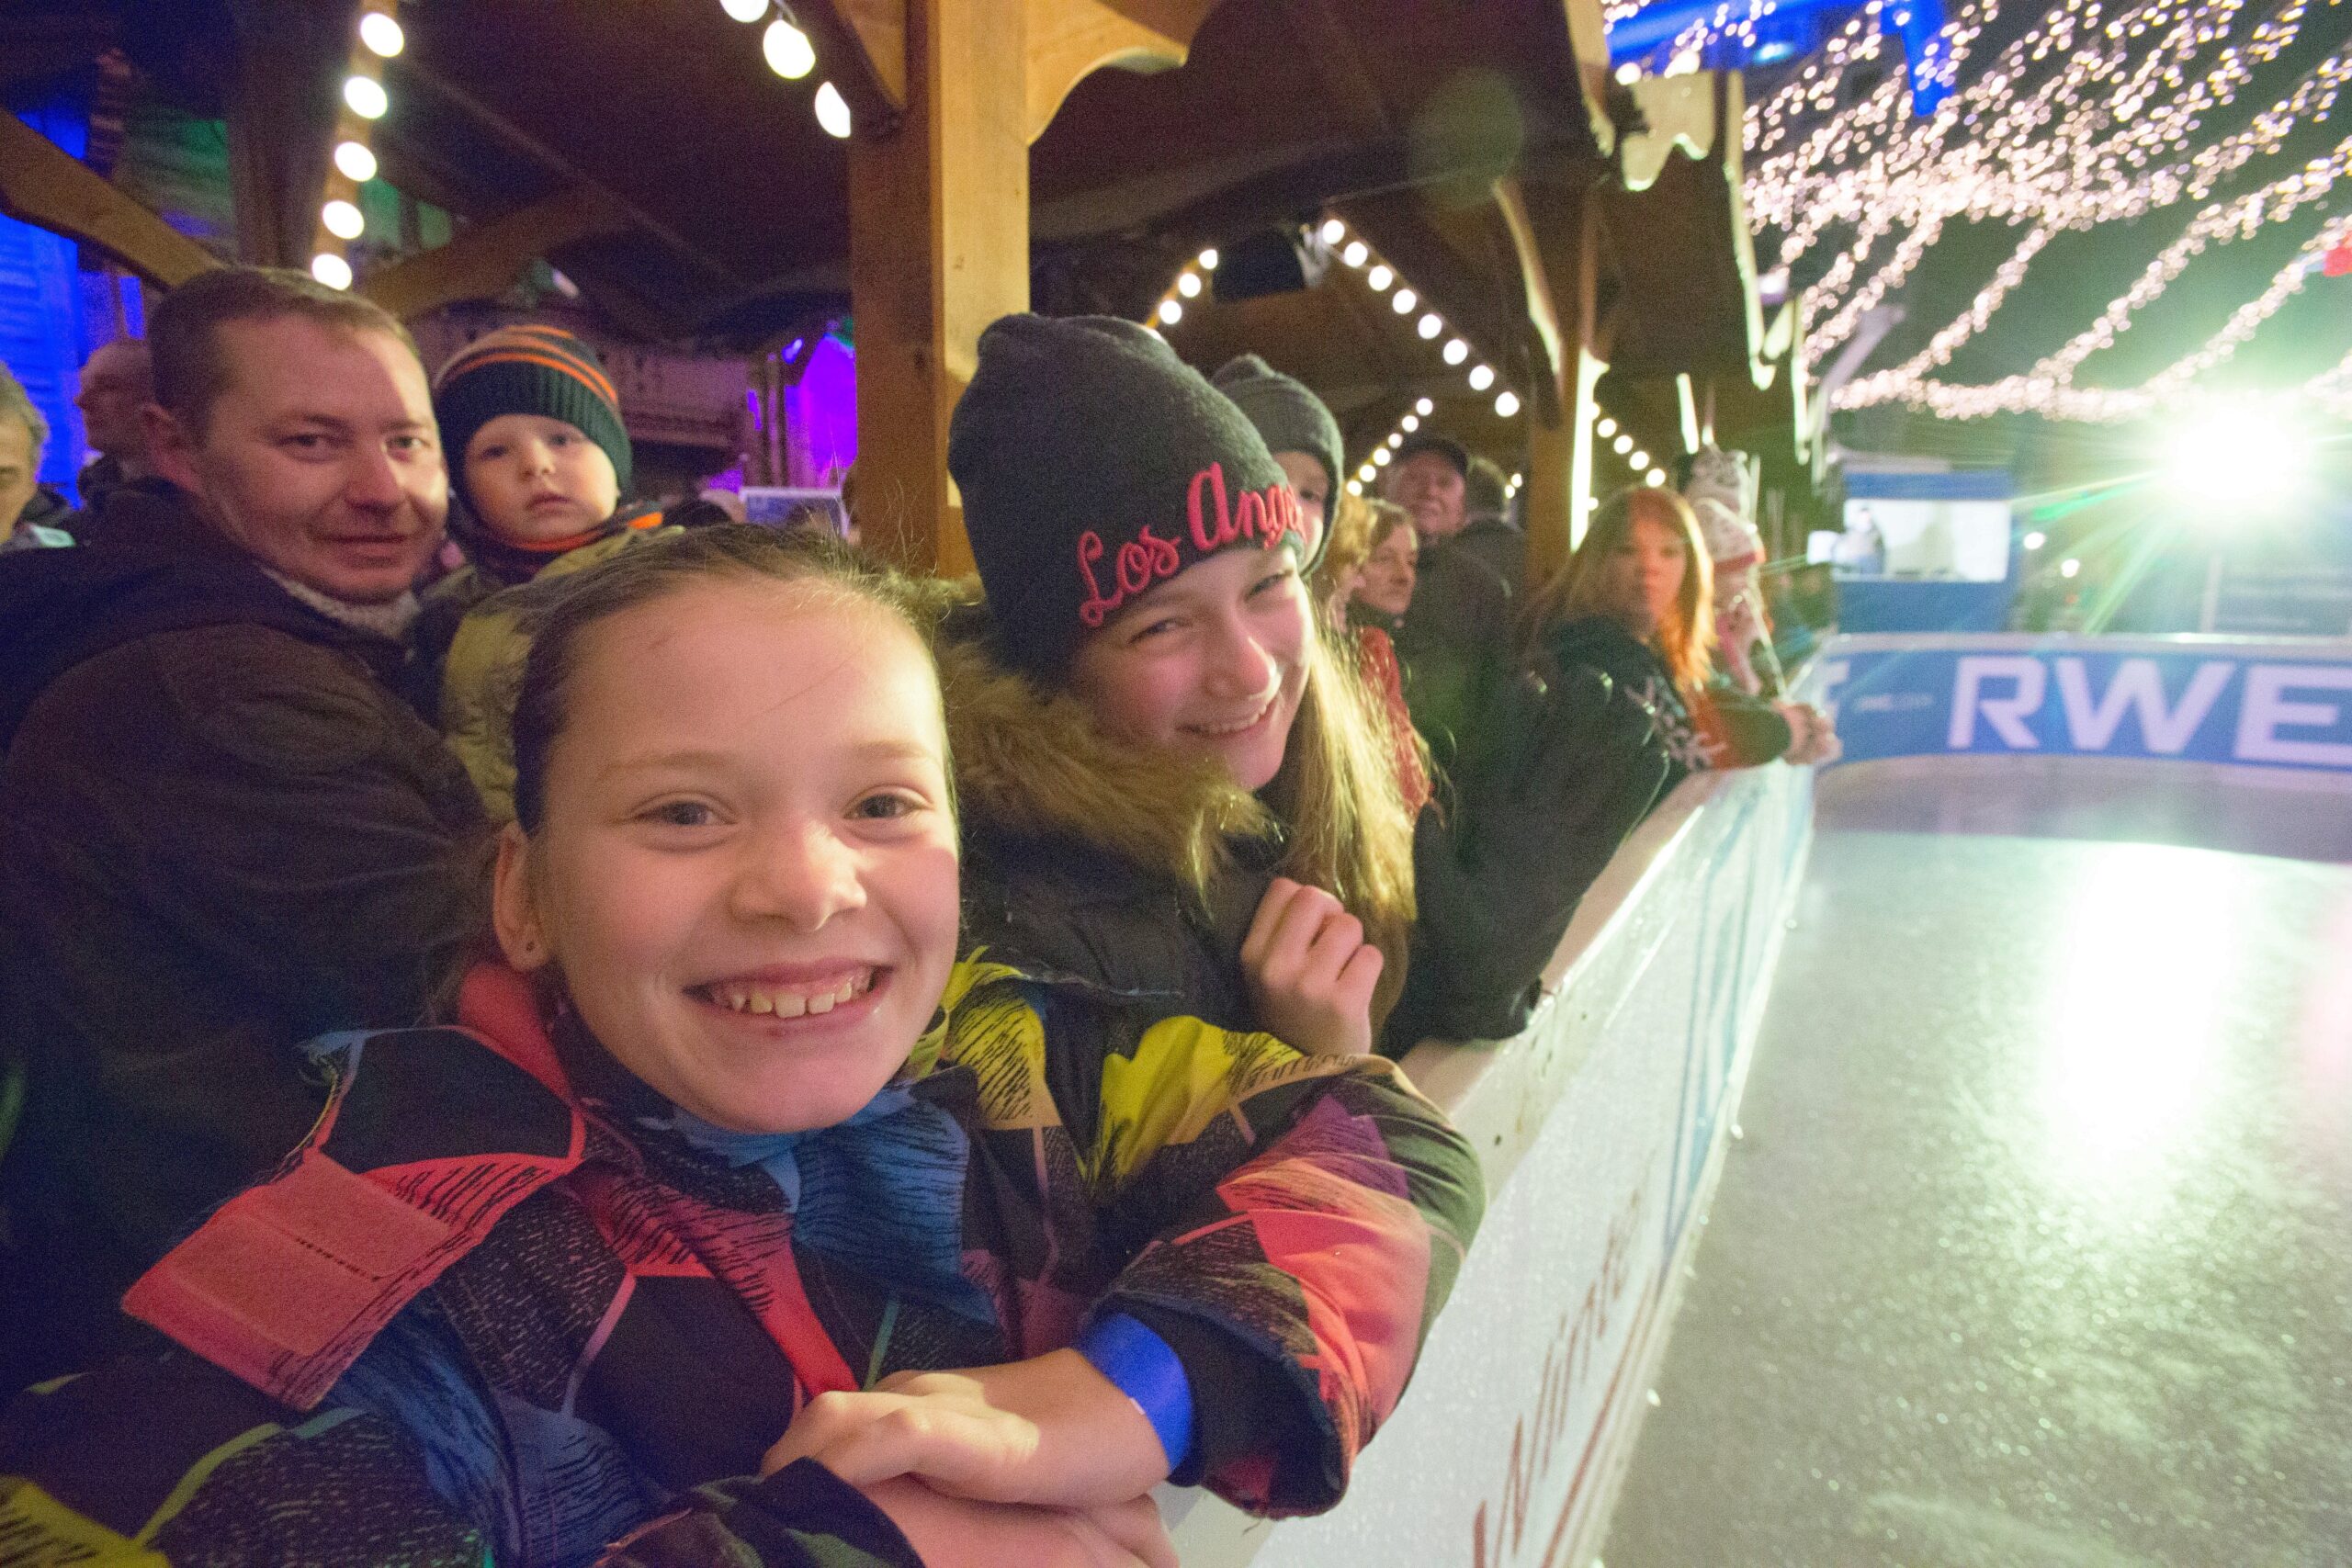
1504 850
541 461
671 1251
1173 786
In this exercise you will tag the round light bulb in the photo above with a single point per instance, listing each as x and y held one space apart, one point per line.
1431 325
1395 440
833 111
2069 567
1188 283
1606 428
1411 421
1656 478
381 34
1381 454
1624 443
2036 540
744 10
1481 378
1456 351
366 97
341 220
790 53
331 270
357 164
1638 460
1379 278
1355 486
1628 74
1424 407
1366 472
1403 301
1334 231
1356 253
1209 259
1506 402
1170 312
1517 480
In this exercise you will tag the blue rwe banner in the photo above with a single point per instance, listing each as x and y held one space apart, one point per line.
2279 703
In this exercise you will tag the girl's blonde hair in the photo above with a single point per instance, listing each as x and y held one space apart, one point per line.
1342 810
1581 587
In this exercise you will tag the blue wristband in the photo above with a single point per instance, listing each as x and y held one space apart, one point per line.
1141 1366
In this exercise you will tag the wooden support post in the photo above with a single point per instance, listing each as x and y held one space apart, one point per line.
284 98
939 247
1560 223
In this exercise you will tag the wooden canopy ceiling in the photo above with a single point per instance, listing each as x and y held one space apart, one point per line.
727 205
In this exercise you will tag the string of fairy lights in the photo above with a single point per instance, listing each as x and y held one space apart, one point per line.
2086 117
377 37
363 100
790 55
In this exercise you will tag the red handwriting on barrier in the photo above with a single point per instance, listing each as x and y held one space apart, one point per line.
1566 1374
1263 515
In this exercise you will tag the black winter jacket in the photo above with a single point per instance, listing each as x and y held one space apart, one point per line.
1737 732
224 832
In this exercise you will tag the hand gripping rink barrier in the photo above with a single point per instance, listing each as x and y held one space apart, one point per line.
1601 1129
1603 1126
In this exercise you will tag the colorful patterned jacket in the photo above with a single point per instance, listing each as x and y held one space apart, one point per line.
506 1305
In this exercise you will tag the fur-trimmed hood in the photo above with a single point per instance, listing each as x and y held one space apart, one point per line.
1033 764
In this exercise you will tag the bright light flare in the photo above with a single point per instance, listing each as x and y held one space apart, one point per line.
381 34
357 164
833 111
2228 460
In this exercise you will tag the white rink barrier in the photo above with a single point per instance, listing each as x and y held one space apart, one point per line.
1601 1129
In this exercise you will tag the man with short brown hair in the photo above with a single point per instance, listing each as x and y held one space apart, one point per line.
223 830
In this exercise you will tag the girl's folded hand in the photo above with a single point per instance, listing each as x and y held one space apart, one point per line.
1310 972
1051 1430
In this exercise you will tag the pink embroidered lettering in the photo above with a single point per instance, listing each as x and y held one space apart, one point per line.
1166 559
1097 608
1205 539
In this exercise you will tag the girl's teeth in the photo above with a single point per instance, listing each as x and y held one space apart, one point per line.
790 1004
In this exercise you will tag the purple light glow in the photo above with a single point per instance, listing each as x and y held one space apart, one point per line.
820 416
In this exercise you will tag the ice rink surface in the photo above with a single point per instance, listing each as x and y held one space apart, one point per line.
2036 1249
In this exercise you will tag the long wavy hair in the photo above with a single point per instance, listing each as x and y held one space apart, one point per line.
1347 829
1581 588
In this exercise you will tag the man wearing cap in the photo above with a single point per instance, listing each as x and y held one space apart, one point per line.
1455 636
223 830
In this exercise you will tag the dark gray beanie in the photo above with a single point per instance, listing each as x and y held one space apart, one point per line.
1095 465
1291 418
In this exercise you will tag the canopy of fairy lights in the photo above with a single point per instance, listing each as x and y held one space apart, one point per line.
2093 113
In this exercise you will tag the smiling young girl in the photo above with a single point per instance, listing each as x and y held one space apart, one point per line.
729 1163
1177 785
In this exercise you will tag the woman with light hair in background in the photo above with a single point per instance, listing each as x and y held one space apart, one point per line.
1637 602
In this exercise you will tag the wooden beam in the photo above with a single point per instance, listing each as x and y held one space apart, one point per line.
1329 44
1564 219
939 247
555 163
484 258
42 185
1588 42
1542 315
290 59
1072 40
